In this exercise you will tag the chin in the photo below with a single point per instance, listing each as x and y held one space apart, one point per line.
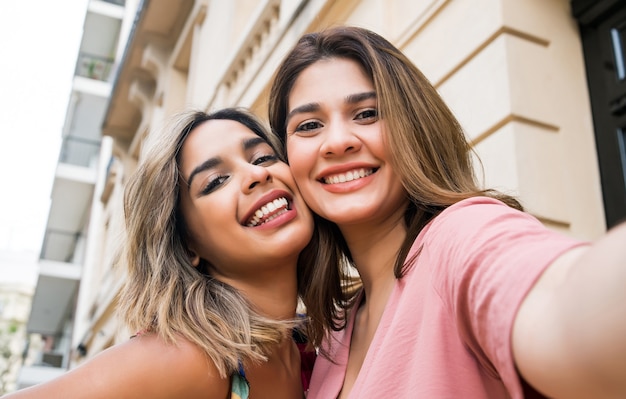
352 214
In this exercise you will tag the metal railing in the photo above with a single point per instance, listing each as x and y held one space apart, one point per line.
79 151
60 246
94 66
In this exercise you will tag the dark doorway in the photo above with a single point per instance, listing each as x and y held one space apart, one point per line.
602 26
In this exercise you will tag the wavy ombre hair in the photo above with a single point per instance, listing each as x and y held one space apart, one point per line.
164 293
425 142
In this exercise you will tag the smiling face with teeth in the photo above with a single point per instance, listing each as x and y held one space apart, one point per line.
336 146
239 202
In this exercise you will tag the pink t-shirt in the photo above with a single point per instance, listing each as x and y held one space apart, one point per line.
446 330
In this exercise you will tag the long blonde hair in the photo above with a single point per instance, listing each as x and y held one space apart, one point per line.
426 143
164 293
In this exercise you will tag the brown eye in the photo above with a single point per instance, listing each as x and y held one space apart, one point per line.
213 184
265 159
367 114
308 126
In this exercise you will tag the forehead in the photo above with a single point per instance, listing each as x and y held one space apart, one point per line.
327 78
213 138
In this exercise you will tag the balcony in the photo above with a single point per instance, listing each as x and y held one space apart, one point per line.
94 67
50 323
79 151
70 205
46 357
63 250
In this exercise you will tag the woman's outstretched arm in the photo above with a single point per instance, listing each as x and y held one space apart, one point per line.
569 336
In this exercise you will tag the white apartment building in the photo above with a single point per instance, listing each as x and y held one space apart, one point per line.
68 256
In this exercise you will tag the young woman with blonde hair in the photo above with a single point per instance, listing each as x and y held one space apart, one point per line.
214 229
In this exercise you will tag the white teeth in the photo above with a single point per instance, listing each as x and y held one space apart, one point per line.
262 215
349 176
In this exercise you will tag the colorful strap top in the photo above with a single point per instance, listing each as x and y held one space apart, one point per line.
240 387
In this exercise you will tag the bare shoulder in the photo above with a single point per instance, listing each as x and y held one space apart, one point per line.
142 367
178 369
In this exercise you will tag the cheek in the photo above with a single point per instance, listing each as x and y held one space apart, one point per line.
377 142
301 160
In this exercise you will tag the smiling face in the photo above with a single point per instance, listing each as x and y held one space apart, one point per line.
336 145
240 203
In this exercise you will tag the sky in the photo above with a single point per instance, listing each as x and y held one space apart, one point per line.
39 41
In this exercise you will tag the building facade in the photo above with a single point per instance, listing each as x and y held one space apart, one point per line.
517 74
71 250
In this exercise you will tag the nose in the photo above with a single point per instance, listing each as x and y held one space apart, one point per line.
339 140
256 175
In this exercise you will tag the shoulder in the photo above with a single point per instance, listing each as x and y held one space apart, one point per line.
485 236
148 366
479 210
181 368
472 216
485 224
145 366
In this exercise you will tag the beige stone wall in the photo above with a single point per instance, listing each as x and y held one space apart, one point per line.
512 71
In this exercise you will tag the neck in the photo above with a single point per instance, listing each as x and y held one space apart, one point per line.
374 250
272 290
283 351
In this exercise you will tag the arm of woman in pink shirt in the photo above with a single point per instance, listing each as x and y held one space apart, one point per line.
569 335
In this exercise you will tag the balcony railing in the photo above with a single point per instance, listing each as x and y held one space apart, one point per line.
46 351
43 359
94 66
60 246
118 2
79 151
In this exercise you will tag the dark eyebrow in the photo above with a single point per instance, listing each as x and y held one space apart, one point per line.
357 98
312 107
213 162
208 164
253 142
